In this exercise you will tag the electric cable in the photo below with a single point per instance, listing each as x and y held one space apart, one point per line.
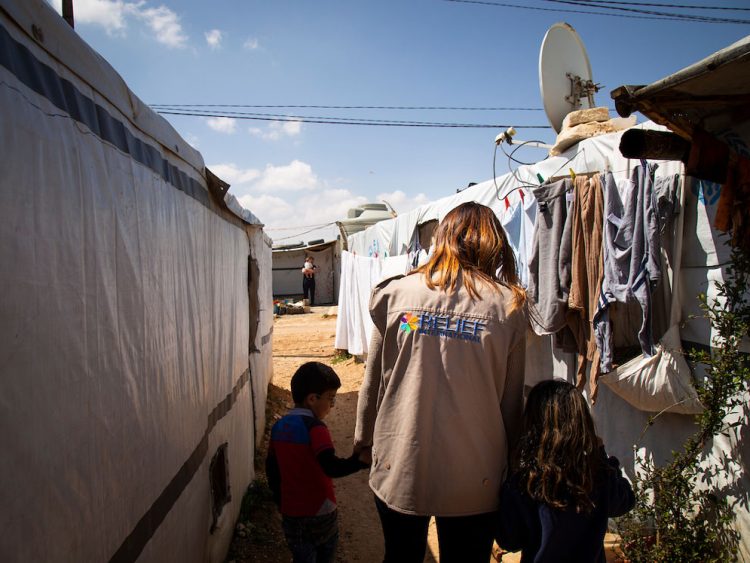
675 17
686 17
657 5
514 171
320 226
343 121
303 232
308 106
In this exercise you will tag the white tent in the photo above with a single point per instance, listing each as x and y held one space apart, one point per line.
135 341
287 266
620 423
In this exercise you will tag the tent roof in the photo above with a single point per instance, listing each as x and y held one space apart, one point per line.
104 87
712 94
303 247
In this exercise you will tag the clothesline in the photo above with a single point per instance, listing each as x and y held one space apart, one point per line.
562 177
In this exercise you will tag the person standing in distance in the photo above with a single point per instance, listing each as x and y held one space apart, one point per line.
441 403
309 270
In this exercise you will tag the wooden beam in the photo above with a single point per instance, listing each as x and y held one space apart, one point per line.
654 145
67 12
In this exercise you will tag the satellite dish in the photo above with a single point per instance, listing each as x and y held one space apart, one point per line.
564 74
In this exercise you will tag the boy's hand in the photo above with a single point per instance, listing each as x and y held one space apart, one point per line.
364 454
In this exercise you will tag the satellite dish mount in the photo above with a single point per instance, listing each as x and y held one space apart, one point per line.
580 88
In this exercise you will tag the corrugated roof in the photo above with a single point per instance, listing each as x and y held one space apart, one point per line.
712 94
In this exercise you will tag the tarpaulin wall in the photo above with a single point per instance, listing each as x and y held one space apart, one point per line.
261 358
125 314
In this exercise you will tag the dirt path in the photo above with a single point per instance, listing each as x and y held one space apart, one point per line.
298 339
302 338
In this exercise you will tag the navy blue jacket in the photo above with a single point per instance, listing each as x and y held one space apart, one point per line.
548 535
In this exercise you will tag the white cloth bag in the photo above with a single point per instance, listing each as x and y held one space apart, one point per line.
664 381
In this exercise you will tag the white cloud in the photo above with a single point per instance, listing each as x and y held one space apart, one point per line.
287 221
113 16
251 44
295 176
164 23
291 199
222 124
234 175
401 202
109 14
268 208
213 38
278 129
292 177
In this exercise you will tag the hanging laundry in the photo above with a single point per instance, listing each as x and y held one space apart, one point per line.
732 213
586 271
518 222
544 288
631 257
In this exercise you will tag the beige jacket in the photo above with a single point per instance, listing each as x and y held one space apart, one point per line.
442 396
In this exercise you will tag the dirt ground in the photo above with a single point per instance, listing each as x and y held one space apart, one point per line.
258 537
298 339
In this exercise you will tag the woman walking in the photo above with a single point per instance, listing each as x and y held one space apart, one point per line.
441 402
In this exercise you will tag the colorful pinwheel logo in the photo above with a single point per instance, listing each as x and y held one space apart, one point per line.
408 323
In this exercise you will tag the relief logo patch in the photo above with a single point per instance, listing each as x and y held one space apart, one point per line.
443 326
408 323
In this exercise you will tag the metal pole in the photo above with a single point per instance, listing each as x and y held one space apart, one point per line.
67 12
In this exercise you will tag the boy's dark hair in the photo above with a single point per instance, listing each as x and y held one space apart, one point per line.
313 377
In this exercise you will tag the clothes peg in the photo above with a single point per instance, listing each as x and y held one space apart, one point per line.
540 178
507 203
520 193
572 174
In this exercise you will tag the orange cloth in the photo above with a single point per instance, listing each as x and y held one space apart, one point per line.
732 209
587 270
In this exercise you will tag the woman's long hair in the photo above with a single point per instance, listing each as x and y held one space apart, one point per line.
471 244
557 456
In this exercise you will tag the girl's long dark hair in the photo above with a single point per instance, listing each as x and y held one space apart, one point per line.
556 456
471 244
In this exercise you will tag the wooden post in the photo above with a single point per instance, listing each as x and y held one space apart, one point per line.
67 12
654 145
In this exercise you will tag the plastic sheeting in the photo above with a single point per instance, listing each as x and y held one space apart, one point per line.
126 323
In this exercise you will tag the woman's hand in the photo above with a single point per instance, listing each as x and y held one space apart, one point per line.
364 454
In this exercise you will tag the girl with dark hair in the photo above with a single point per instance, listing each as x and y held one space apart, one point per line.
555 505
441 402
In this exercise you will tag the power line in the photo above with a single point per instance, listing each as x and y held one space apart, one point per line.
657 5
344 121
306 106
686 17
320 226
303 232
672 17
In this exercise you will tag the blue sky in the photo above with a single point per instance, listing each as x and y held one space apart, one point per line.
296 175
